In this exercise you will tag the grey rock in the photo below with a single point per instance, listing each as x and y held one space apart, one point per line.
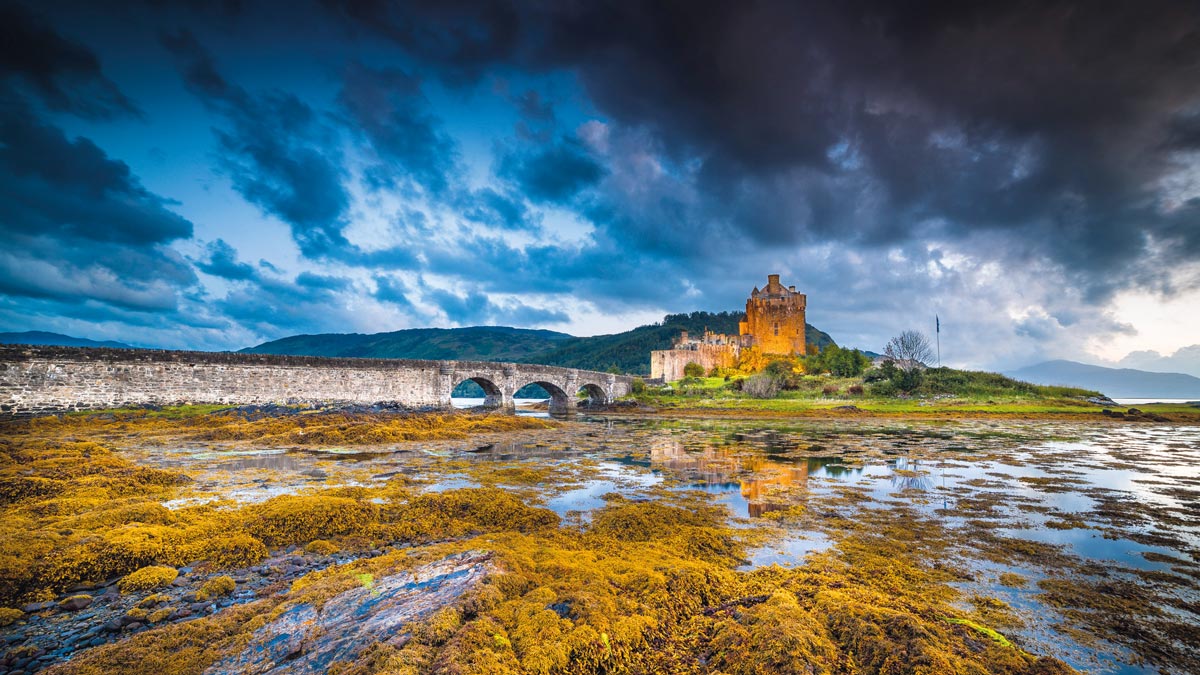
34 607
75 603
305 640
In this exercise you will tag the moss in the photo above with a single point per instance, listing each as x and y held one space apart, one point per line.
9 616
215 588
321 547
996 637
159 615
147 578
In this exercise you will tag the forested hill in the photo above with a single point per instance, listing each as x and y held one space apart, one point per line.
628 351
476 343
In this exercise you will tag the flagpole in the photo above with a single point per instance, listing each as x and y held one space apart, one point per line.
938 333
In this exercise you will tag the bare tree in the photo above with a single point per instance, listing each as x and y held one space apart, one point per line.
909 350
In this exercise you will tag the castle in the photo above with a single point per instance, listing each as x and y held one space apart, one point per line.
774 324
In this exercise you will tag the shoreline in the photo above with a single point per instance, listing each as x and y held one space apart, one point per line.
1153 413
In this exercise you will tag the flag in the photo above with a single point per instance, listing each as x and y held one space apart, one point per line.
937 321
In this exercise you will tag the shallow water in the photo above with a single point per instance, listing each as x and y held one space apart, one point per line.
1116 504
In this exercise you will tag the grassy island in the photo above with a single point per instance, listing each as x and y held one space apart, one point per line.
786 387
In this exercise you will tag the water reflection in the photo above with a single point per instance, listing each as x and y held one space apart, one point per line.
761 480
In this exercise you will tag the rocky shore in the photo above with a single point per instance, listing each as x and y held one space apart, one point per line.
91 615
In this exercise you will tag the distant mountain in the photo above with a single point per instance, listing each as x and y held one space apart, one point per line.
37 337
1114 382
629 351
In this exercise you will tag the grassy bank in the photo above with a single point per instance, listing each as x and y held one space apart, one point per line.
942 392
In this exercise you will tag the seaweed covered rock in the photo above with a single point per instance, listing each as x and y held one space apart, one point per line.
9 616
147 578
215 588
307 638
294 519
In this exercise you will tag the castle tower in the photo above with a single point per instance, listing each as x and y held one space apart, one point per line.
775 318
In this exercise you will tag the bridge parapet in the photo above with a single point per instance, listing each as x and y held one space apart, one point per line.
35 379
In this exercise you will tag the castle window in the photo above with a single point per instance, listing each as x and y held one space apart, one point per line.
777 329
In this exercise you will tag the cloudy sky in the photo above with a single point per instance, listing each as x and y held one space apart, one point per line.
212 175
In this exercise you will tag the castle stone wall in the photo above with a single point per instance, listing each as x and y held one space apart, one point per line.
668 364
35 379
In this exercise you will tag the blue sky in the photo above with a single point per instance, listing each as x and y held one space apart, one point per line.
183 175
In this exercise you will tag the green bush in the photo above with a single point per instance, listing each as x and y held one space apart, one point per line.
693 370
837 362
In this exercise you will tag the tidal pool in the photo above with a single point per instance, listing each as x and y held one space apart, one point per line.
1083 541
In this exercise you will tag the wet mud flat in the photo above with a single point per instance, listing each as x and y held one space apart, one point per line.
600 545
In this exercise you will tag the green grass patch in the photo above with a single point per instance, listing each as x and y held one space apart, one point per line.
173 412
979 628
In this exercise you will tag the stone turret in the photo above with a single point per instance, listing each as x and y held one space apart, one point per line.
775 318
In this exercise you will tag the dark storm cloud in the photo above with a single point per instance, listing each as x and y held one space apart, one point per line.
64 74
78 226
1049 121
60 187
472 308
222 262
476 308
501 210
275 306
388 108
277 151
553 174
392 291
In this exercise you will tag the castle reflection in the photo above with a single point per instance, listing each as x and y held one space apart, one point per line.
763 479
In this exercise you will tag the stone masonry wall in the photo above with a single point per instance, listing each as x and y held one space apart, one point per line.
47 379
668 364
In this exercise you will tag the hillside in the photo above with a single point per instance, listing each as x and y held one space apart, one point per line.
629 351
38 337
477 343
1115 382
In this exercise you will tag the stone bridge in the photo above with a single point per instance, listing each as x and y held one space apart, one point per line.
36 379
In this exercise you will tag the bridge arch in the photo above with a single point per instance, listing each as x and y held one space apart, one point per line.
560 400
493 395
596 394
